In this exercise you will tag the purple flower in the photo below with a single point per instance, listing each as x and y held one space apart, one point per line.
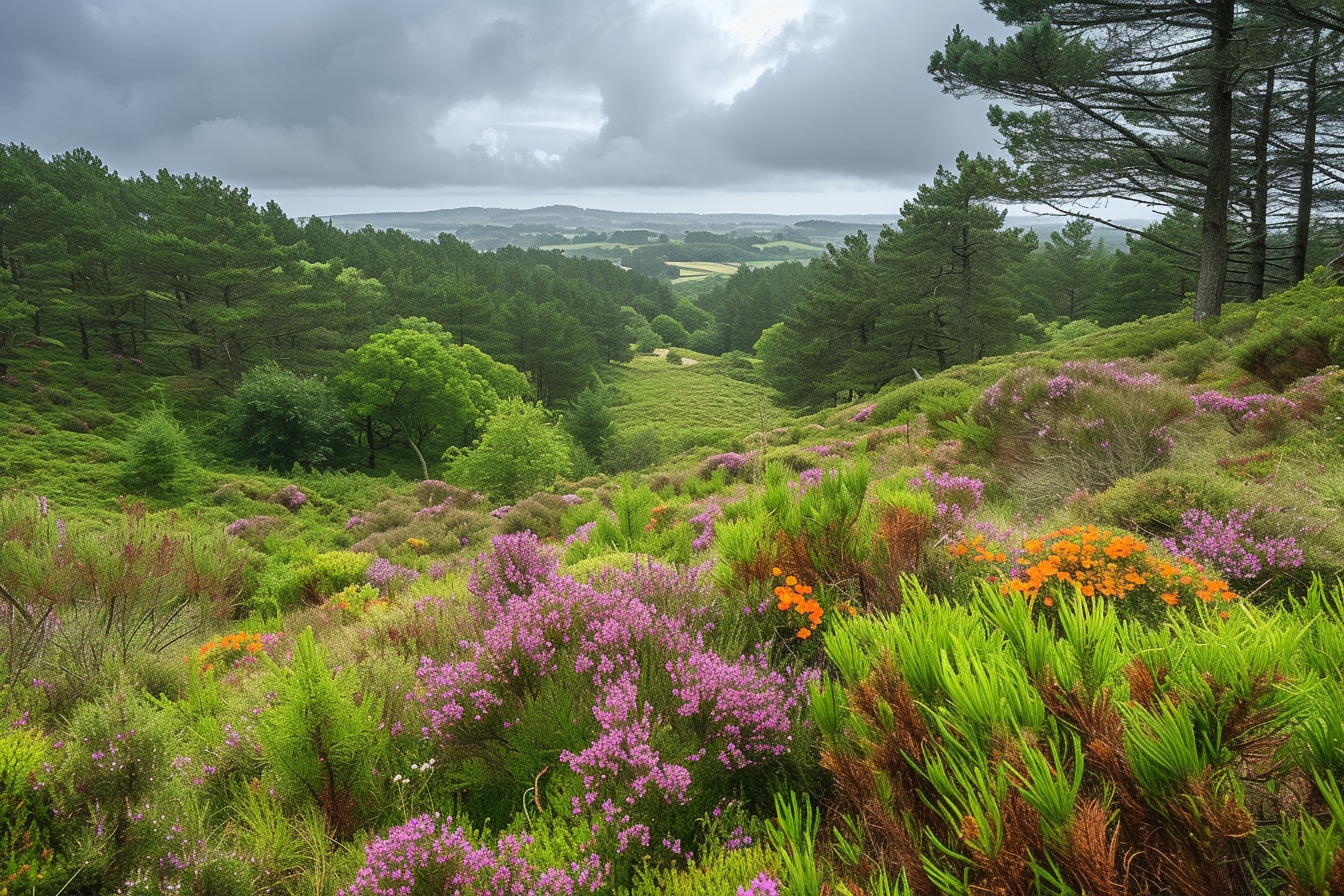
249 525
705 520
581 534
1229 545
383 572
500 512
290 498
762 885
863 413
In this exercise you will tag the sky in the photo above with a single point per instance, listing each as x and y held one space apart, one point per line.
350 106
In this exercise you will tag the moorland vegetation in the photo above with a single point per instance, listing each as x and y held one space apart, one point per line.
949 563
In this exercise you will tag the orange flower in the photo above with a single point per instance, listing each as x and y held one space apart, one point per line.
804 633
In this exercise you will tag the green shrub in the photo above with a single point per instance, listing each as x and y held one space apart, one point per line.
541 513
941 396
1190 361
280 419
1152 503
26 854
157 454
1084 428
630 450
518 454
1298 332
321 745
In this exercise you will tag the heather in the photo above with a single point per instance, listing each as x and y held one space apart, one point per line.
1050 623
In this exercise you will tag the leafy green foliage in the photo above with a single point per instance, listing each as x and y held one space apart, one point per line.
321 745
519 453
281 419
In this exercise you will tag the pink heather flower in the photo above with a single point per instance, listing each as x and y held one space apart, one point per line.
383 572
762 885
1229 545
863 413
606 641
354 521
290 497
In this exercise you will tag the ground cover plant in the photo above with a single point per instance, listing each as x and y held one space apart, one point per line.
1043 624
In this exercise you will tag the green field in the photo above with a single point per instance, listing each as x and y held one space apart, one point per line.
693 405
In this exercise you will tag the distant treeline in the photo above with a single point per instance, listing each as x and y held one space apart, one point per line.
185 274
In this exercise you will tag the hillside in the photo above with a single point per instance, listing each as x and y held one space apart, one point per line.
1013 571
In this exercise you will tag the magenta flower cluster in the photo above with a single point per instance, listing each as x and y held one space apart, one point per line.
383 572
290 497
428 855
762 885
609 640
730 462
863 413
248 525
953 497
705 521
1241 412
1229 545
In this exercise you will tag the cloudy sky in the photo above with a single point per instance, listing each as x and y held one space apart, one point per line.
333 106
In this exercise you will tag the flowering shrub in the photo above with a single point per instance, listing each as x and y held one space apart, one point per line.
663 721
383 573
705 521
290 497
863 414
1229 545
429 855
254 526
236 649
1256 410
797 596
953 497
1095 562
733 464
1089 424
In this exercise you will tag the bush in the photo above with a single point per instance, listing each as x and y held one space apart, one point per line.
1152 503
322 747
519 453
649 742
280 419
1298 332
634 449
1086 427
157 454
942 395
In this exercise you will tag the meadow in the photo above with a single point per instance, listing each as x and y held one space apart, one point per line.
1067 621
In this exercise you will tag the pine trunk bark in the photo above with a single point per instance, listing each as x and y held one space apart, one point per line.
1213 248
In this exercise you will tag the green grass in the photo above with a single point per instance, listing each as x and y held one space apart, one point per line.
792 246
691 405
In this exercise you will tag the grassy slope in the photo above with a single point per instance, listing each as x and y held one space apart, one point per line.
692 405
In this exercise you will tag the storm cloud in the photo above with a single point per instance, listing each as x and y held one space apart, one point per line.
522 95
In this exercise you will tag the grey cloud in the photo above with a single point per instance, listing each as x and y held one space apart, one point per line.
314 93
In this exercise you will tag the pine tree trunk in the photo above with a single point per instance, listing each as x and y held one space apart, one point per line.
1255 272
1213 249
1306 192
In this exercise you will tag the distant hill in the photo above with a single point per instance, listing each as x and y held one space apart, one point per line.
487 229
